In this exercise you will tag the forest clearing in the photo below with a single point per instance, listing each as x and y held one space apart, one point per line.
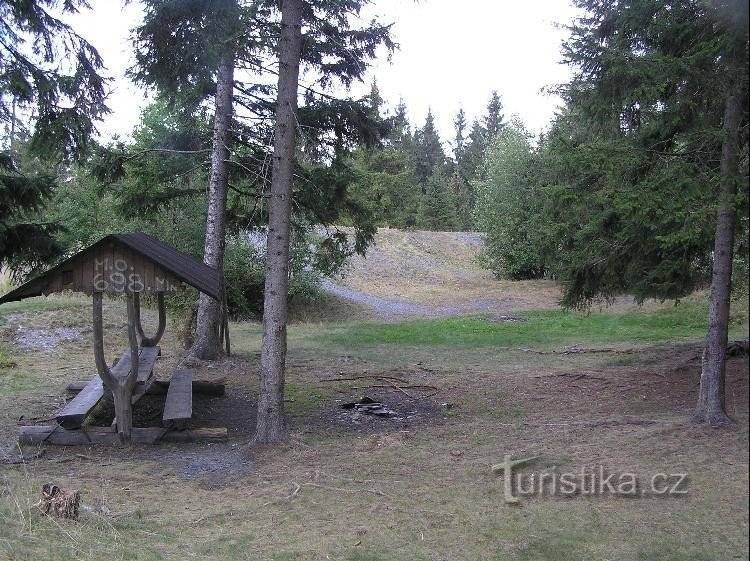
374 280
415 486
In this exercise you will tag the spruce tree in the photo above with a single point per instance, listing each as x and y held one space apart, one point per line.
400 129
221 52
494 119
428 151
649 159
51 96
459 124
338 51
437 206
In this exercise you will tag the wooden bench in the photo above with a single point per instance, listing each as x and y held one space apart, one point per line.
52 434
178 406
75 412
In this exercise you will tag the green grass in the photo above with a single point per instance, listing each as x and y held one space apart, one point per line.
543 329
302 398
6 361
44 303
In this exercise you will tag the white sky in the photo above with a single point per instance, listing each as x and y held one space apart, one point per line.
452 54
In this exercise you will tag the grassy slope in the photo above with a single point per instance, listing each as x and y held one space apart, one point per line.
439 269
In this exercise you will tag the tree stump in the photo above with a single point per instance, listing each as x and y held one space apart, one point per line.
60 503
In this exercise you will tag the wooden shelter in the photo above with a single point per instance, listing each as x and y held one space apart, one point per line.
131 264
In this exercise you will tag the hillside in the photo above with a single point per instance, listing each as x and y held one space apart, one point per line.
419 273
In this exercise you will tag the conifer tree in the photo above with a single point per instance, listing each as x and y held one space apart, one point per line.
459 124
649 159
338 51
51 95
189 52
437 206
428 150
493 120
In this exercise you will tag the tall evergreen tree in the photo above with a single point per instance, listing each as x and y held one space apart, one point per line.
463 171
494 119
659 112
428 151
437 209
205 36
337 51
470 163
188 51
271 425
459 124
400 129
375 100
51 95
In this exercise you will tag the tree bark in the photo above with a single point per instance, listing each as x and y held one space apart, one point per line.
207 345
711 398
271 424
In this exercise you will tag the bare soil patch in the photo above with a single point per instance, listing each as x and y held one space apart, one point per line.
417 485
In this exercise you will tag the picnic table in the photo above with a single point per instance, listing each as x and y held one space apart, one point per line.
127 265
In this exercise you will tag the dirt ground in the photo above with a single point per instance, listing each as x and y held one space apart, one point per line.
352 486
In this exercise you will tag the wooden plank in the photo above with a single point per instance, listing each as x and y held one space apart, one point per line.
48 434
146 359
142 389
76 386
75 412
211 388
178 406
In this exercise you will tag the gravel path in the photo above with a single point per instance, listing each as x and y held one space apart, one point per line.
394 309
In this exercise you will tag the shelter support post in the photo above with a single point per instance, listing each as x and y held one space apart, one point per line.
121 387
150 341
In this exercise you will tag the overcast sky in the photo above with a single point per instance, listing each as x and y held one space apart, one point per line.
452 54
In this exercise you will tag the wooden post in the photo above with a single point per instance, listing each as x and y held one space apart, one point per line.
121 387
225 319
150 341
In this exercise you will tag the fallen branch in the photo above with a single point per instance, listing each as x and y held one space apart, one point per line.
575 351
598 423
289 497
341 490
398 384
573 375
366 377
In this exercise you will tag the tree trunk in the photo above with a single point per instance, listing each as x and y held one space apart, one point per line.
207 345
271 425
711 398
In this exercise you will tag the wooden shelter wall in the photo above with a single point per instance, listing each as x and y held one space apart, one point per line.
112 269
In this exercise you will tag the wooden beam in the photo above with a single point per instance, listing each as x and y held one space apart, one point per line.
48 434
75 412
211 388
146 359
121 386
77 386
178 406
